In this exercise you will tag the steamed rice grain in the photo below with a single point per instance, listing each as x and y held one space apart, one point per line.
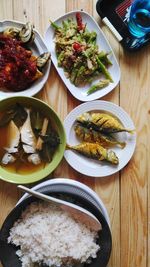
48 235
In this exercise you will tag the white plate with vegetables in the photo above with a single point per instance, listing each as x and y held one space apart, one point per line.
82 56
101 138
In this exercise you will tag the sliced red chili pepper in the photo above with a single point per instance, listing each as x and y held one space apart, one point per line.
80 25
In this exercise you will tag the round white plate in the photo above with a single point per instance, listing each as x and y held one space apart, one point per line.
38 47
96 168
81 92
72 185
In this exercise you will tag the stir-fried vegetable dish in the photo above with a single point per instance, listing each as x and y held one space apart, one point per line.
79 55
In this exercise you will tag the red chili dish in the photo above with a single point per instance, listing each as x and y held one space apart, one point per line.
19 68
17 65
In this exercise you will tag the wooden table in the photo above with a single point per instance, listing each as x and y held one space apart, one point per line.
125 194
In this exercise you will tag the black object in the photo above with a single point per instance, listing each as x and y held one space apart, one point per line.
116 12
8 255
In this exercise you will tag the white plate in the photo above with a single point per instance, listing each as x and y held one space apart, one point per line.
91 167
73 186
38 47
81 93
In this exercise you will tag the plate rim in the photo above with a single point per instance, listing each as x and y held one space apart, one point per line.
91 97
87 106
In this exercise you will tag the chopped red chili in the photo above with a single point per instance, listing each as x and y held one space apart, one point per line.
17 67
81 26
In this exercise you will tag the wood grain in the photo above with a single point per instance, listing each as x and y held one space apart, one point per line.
109 188
126 194
134 177
8 192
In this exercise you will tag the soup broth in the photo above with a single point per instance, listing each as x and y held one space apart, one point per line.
49 140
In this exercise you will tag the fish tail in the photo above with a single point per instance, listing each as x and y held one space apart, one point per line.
76 148
68 146
111 157
122 144
130 131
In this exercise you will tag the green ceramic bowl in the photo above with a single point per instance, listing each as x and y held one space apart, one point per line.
58 155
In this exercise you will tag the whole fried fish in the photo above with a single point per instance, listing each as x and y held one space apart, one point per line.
102 122
92 136
95 151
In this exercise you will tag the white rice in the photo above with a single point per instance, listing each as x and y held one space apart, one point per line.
48 235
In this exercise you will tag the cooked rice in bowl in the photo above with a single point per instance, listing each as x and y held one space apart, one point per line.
49 236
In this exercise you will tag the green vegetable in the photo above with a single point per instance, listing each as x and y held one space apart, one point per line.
79 75
65 25
95 87
18 114
50 142
60 58
73 74
78 54
54 25
104 70
103 56
92 38
36 122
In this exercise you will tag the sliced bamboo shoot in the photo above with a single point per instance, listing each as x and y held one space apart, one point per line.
43 132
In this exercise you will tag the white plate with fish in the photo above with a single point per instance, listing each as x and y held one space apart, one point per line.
79 78
122 143
27 77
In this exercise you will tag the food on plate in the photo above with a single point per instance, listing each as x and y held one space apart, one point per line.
102 122
97 86
78 54
45 235
19 68
25 34
95 151
97 133
28 139
92 136
13 137
42 60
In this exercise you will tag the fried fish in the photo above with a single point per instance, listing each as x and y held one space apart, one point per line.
102 122
92 136
95 151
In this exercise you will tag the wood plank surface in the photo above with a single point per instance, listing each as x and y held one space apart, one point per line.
127 193
134 178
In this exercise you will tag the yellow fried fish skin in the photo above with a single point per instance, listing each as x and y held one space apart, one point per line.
102 122
92 136
95 151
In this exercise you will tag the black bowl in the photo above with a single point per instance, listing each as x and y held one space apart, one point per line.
8 255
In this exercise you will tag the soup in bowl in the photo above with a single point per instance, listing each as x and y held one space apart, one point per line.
32 140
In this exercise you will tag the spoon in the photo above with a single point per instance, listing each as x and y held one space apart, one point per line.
78 213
